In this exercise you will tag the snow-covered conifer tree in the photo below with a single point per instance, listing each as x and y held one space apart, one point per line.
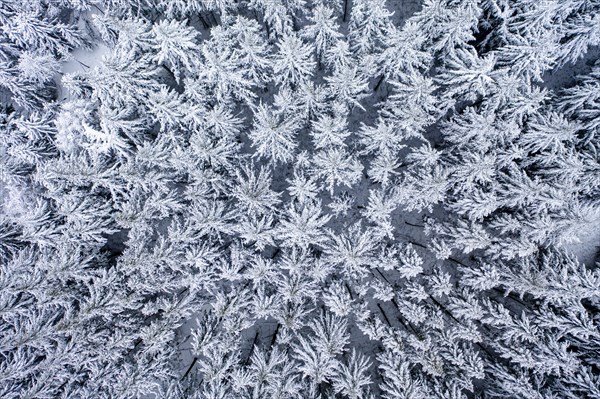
323 29
274 134
299 198
294 63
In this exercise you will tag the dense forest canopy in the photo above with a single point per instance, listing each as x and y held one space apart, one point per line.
299 199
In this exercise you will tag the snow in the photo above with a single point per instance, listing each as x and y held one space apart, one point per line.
587 249
420 338
81 60
566 76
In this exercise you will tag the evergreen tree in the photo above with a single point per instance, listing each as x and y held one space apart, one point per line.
299 199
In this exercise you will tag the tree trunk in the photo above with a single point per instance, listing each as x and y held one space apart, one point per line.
345 10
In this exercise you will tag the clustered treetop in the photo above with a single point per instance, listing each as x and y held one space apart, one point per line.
223 204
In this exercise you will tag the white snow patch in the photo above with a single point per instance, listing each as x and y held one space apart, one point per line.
80 60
